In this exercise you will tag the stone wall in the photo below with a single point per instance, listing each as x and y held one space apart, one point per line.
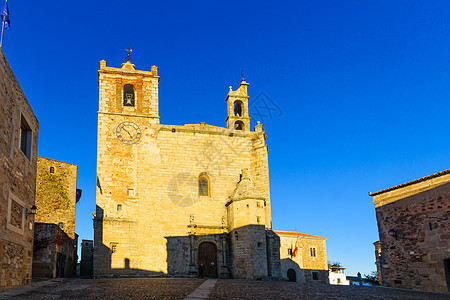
304 263
56 192
54 254
147 188
414 235
17 179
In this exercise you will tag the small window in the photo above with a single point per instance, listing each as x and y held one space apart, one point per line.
119 207
289 250
52 170
315 275
113 248
312 251
338 280
128 95
258 219
239 125
25 138
130 192
61 225
203 186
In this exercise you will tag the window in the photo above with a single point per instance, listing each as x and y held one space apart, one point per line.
315 275
312 251
238 108
128 95
61 225
119 207
239 125
113 248
16 214
52 170
130 192
203 186
338 280
25 138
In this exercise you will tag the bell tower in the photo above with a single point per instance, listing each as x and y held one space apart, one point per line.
127 91
237 105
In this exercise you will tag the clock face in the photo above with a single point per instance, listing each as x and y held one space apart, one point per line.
128 132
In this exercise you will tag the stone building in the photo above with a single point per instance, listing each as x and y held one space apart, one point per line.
171 198
19 129
56 199
57 194
414 228
87 255
53 252
378 262
310 261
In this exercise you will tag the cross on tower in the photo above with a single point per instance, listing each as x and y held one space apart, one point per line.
128 58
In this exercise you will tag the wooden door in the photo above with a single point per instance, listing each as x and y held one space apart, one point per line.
207 255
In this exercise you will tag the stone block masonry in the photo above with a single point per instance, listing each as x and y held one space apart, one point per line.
19 129
414 225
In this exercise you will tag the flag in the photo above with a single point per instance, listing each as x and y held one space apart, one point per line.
5 15
294 253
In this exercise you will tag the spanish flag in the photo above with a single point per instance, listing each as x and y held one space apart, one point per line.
294 253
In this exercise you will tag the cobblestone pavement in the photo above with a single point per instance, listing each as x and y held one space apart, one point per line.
250 289
120 288
165 288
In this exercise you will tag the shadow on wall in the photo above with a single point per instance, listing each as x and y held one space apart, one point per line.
291 271
255 251
104 254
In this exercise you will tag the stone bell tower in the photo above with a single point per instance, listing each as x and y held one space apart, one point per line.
237 105
126 145
128 91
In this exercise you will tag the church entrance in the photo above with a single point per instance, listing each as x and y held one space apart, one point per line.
291 275
207 255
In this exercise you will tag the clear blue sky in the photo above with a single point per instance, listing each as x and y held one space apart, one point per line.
363 87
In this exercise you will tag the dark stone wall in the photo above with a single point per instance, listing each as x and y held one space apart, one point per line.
415 239
54 254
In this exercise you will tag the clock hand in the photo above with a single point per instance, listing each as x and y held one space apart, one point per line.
127 132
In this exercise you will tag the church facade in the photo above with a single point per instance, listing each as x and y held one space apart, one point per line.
172 198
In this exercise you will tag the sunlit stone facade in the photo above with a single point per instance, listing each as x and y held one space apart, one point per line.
154 213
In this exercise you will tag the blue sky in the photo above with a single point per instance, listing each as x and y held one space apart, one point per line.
363 87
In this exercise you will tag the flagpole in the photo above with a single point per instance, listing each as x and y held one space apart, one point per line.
3 28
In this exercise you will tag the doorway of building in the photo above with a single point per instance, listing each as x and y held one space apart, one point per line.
447 272
291 275
207 255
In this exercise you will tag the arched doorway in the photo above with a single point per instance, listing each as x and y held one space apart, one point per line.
207 255
291 275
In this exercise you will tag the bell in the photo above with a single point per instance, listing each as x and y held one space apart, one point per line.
129 98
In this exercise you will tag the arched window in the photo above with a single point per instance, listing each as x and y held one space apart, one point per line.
203 186
61 225
128 95
238 108
52 170
239 125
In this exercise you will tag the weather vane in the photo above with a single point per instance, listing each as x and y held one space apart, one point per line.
128 55
242 73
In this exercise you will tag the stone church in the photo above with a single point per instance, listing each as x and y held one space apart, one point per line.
171 198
